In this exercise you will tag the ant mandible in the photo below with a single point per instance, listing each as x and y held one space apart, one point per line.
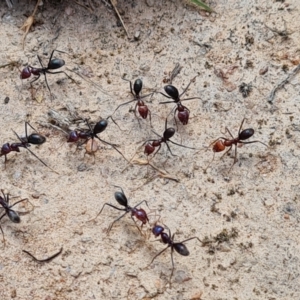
25 142
150 145
221 143
179 247
139 213
91 133
53 64
183 111
12 215
140 104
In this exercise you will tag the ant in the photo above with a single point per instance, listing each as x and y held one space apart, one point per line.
183 112
53 64
91 133
150 145
179 247
25 142
140 104
221 143
139 213
12 215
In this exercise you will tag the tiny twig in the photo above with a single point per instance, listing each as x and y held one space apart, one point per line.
114 4
46 259
282 84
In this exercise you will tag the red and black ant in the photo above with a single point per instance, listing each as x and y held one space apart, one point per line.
183 111
53 64
150 145
168 239
140 104
91 133
25 142
221 143
139 213
12 215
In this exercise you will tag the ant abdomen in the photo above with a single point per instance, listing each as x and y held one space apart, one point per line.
36 139
100 126
172 91
26 73
246 134
181 249
56 63
121 198
169 132
13 216
137 86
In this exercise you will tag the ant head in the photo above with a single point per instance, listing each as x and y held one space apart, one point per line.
5 149
143 110
149 148
13 216
36 139
246 134
181 249
73 136
157 230
219 146
121 198
183 114
141 215
172 91
25 73
137 86
100 126
169 132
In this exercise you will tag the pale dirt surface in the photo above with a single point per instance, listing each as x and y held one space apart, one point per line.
258 202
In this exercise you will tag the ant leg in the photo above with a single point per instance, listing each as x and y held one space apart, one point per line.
235 159
2 235
119 188
156 151
192 238
226 152
170 149
181 145
58 72
158 254
123 104
141 203
34 154
241 126
193 98
137 225
35 79
18 202
226 128
116 220
41 61
112 146
115 207
210 162
253 142
134 111
166 97
27 123
192 80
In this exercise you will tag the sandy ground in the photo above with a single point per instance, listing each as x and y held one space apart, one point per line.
247 219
